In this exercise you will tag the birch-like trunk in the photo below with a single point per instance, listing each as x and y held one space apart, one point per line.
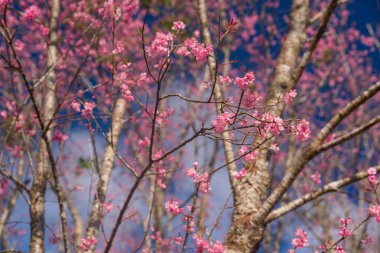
244 234
105 169
37 192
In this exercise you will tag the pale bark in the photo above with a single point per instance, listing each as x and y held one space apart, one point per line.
37 192
106 169
245 235
78 223
330 187
218 93
7 211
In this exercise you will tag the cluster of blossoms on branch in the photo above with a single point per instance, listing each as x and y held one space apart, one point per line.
202 179
344 231
301 240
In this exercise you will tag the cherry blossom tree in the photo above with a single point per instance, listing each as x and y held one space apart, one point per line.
181 126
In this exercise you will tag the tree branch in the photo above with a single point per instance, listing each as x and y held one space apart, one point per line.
330 187
312 151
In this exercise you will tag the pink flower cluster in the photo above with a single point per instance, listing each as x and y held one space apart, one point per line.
252 99
31 13
160 44
87 243
107 207
303 130
248 156
204 245
178 25
224 80
372 179
302 239
316 177
144 143
60 137
173 208
163 116
199 50
272 124
339 249
222 121
241 174
288 98
244 82
126 93
4 2
374 211
199 178
88 108
4 185
344 232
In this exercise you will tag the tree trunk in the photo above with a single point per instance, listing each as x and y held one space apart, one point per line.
245 234
105 169
37 193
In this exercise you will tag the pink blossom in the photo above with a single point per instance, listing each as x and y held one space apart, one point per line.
316 177
367 240
144 143
59 137
339 249
374 211
372 179
251 99
243 150
88 108
274 147
240 82
216 247
182 50
249 77
87 243
204 182
75 105
160 44
344 232
241 174
4 185
224 80
222 121
303 130
4 2
251 156
288 98
301 240
3 114
173 208
118 48
190 172
272 124
44 30
202 244
178 240
126 93
201 51
178 25
108 9
107 207
32 12
18 45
